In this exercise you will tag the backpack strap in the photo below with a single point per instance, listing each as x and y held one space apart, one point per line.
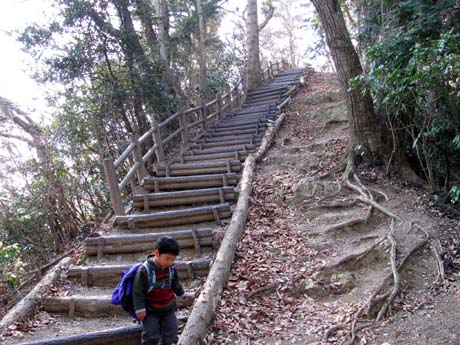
152 283
171 274
152 278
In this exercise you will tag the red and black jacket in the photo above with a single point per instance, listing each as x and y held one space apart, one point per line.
162 296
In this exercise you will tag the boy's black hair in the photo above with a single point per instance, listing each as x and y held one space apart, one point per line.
167 245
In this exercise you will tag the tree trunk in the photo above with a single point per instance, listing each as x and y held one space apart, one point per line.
136 62
254 73
145 11
202 53
163 36
366 135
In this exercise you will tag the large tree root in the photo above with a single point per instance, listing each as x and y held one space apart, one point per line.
353 257
380 303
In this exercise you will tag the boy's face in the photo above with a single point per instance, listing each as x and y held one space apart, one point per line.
164 260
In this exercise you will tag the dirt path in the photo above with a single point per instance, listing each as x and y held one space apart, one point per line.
288 284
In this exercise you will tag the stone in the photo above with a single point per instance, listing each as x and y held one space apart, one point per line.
343 283
305 188
315 290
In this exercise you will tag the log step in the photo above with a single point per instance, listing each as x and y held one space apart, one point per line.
185 197
243 120
193 152
176 217
130 335
109 275
233 132
220 139
259 103
239 155
136 243
219 167
84 306
158 184
240 124
251 141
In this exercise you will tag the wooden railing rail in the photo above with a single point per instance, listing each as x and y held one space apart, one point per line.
184 120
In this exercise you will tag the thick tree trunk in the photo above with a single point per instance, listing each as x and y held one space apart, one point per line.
202 52
136 61
365 133
161 9
254 73
145 12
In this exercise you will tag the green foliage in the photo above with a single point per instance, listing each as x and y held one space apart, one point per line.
414 77
454 194
11 265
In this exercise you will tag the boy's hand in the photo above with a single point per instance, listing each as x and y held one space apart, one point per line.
185 300
141 315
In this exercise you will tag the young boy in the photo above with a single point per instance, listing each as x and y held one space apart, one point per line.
157 308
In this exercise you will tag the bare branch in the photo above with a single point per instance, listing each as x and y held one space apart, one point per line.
268 16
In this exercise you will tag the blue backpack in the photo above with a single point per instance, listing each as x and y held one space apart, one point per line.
123 293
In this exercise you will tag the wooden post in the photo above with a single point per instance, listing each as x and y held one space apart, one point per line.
270 72
228 101
112 181
184 130
219 105
137 156
204 115
277 67
159 152
235 97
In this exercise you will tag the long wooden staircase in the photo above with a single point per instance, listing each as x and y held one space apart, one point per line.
190 198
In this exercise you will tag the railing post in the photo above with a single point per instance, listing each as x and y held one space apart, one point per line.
112 181
270 72
204 115
228 103
137 156
219 105
184 129
159 152
277 67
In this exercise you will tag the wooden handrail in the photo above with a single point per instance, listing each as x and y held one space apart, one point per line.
222 104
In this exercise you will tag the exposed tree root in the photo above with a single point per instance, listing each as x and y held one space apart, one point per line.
261 289
382 299
338 204
351 222
353 257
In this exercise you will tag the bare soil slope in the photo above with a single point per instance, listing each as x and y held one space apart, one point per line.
318 261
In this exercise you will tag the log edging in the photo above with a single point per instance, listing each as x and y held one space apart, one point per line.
27 305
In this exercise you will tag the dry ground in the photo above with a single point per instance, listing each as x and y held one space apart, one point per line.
288 283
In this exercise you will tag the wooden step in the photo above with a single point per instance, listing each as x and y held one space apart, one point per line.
109 275
158 184
274 103
240 155
138 243
236 142
219 139
232 133
185 197
244 120
192 152
84 306
219 167
129 335
176 217
260 123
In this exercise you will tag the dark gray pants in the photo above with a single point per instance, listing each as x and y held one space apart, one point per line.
156 328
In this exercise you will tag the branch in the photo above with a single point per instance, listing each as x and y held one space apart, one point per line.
268 16
18 137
